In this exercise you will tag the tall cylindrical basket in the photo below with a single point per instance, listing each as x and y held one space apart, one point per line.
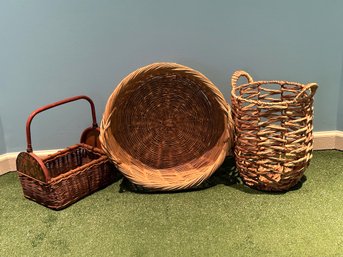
273 131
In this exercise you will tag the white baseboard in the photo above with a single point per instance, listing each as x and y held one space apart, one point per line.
8 160
328 140
322 140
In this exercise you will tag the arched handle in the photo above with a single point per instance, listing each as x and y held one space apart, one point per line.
240 73
49 106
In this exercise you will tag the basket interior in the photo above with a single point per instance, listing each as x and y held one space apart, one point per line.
70 160
166 119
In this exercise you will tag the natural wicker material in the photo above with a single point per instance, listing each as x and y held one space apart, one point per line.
166 127
68 175
63 178
273 131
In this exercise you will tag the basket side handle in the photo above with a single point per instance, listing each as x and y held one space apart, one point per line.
240 73
310 86
49 106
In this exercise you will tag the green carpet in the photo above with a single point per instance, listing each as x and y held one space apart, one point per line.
223 220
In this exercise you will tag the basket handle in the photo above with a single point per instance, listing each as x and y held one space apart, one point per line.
240 73
313 87
310 86
49 106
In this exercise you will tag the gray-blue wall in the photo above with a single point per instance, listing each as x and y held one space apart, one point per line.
2 139
50 50
340 105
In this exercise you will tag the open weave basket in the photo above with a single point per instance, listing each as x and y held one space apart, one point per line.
273 131
166 127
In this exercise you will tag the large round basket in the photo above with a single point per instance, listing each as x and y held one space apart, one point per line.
166 127
273 137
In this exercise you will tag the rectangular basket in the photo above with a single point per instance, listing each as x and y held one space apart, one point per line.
60 179
75 172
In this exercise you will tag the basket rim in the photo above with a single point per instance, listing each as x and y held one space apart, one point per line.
160 66
304 88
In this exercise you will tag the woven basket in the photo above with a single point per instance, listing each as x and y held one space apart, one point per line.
273 131
60 179
65 177
166 127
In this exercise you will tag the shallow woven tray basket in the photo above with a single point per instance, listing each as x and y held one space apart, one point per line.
166 127
273 131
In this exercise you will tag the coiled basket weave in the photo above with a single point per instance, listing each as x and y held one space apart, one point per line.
166 127
273 131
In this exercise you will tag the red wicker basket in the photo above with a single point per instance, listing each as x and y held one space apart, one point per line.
60 179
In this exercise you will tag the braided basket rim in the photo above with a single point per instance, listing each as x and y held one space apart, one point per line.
304 88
